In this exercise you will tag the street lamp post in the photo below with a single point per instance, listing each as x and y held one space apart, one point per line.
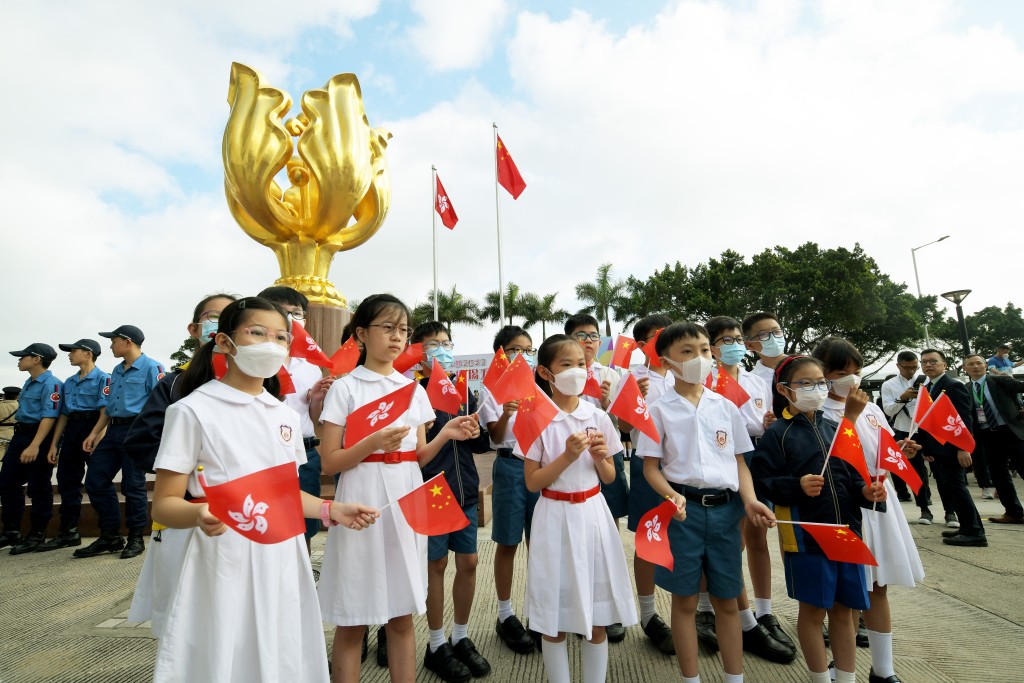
913 257
957 297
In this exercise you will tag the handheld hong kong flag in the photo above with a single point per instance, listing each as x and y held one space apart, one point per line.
285 379
891 458
515 383
413 355
846 446
432 510
462 384
723 384
630 406
345 358
304 346
499 364
377 414
508 174
443 205
651 540
535 413
840 544
264 506
624 347
649 350
945 424
592 386
442 393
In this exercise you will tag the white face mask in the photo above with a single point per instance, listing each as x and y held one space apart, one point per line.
693 371
260 360
571 382
809 401
844 385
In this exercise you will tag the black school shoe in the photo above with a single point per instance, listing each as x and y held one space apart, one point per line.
446 665
107 543
68 538
960 539
10 538
514 636
366 645
706 630
862 634
616 633
467 653
134 547
660 634
758 641
773 627
29 543
382 647
872 678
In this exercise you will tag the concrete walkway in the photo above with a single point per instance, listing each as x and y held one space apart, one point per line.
63 620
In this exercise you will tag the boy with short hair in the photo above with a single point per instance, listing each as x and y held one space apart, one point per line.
764 336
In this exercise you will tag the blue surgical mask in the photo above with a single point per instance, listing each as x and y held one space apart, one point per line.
774 347
531 361
208 329
732 354
442 356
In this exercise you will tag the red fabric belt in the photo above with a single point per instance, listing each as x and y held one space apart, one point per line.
392 458
574 497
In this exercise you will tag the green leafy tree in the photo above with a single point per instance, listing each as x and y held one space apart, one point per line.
986 330
603 296
184 352
452 309
517 305
542 309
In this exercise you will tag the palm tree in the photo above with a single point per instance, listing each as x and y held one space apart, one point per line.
452 309
542 310
602 295
517 305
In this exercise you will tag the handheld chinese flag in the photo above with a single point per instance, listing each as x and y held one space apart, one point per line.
377 414
499 364
624 347
442 393
413 355
652 536
264 506
345 358
945 424
592 386
727 387
924 402
840 544
443 205
508 174
432 509
304 346
649 350
846 446
630 406
891 458
534 415
515 383
462 384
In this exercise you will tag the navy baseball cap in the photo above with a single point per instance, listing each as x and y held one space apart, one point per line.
129 332
44 351
11 393
87 344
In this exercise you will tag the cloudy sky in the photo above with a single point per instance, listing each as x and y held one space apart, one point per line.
647 132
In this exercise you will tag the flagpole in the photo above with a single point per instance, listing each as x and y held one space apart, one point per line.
789 521
497 220
433 221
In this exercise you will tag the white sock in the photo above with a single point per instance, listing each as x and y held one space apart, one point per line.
821 677
747 620
762 606
595 661
459 631
704 603
505 610
556 661
733 678
881 653
436 639
846 676
647 609
695 679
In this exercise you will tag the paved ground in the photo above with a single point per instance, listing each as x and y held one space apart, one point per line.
62 620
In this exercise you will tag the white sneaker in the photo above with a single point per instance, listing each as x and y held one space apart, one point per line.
988 494
925 519
951 521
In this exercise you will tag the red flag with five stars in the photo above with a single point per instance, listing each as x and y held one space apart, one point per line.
535 413
624 347
377 414
432 509
945 424
499 364
630 406
264 506
846 446
413 355
442 393
651 540
722 383
515 382
304 346
443 205
345 358
840 544
508 174
648 349
462 384
891 458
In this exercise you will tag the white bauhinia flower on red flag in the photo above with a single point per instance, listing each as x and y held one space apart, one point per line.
443 205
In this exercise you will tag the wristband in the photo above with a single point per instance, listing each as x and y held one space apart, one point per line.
325 513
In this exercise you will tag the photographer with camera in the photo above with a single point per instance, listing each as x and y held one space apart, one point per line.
899 400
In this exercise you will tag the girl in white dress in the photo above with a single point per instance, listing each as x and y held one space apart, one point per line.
241 611
379 577
577 580
886 532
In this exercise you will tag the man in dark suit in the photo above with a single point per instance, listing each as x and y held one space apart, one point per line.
950 462
999 426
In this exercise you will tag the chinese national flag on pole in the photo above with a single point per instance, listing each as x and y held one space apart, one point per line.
649 350
304 346
727 387
630 406
264 506
924 402
515 383
946 425
345 358
508 174
840 544
443 205
442 393
846 446
377 414
413 355
891 458
592 387
651 541
624 347
462 384
499 364
432 510
534 415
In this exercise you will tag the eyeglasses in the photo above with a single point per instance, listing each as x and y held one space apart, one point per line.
390 328
435 345
907 367
583 337
932 361
297 314
261 334
730 340
517 350
212 316
763 336
808 385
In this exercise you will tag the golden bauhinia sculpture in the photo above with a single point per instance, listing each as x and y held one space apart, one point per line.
340 188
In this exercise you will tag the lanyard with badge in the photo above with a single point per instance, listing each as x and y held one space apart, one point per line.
979 403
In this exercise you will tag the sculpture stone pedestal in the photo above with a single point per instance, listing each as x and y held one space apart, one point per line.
325 324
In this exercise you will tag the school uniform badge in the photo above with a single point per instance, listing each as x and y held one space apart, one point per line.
286 433
873 421
721 438
759 403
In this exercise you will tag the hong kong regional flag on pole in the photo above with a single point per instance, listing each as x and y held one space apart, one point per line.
377 414
630 406
443 206
508 174
304 346
651 540
264 506
891 458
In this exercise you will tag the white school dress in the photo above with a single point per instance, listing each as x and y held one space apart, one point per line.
577 576
887 533
374 575
240 610
158 579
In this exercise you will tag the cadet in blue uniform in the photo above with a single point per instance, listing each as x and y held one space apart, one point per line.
85 394
25 460
130 384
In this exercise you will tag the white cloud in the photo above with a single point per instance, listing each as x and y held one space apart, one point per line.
454 34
